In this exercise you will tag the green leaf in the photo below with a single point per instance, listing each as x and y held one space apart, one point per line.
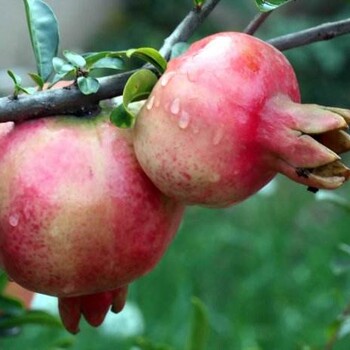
37 80
121 118
92 57
75 59
61 66
199 326
30 317
199 3
43 30
149 55
18 87
9 305
108 63
138 87
16 78
88 85
28 90
269 5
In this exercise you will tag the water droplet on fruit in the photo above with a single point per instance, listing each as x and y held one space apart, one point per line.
166 78
157 103
150 103
219 134
175 106
184 120
13 220
192 75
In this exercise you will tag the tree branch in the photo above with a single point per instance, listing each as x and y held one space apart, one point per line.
319 33
257 21
61 101
72 101
187 27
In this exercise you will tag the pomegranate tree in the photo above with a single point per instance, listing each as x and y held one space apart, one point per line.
226 117
79 219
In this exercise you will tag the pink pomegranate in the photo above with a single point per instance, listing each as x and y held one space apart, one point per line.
226 117
79 219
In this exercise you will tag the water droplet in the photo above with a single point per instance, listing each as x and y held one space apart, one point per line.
157 103
219 134
175 106
192 75
13 220
150 103
184 120
166 78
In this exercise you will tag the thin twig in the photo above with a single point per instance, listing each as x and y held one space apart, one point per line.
322 32
256 23
187 26
60 101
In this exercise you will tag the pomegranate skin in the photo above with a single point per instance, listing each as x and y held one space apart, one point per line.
226 117
78 216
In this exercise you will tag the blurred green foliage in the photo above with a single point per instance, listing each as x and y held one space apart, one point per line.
269 270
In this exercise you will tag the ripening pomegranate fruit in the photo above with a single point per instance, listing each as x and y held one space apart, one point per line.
79 219
226 117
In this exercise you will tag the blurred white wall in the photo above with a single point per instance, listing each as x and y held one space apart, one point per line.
78 19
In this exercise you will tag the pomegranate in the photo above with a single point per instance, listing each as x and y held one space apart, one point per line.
79 219
226 117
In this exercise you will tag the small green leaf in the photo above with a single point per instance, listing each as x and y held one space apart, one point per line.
269 5
92 57
151 56
43 30
16 78
108 63
199 326
138 87
30 317
75 59
28 90
9 305
88 85
61 66
199 3
121 118
18 87
37 80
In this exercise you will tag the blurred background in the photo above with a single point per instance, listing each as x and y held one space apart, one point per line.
272 272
